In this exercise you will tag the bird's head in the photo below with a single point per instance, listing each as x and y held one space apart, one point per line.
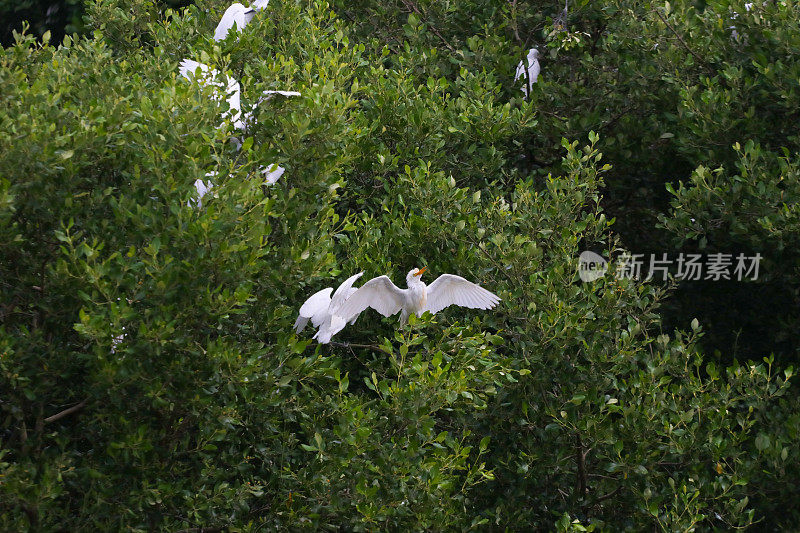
533 54
415 275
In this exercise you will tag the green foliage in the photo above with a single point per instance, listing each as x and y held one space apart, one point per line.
152 380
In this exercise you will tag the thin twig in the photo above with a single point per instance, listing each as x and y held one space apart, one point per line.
581 456
609 495
351 345
678 35
66 412
412 6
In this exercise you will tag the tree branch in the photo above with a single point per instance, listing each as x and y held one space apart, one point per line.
412 6
66 412
611 494
580 455
678 35
368 346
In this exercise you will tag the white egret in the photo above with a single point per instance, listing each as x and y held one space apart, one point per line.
529 73
266 95
202 188
233 91
236 16
322 310
239 16
386 298
272 173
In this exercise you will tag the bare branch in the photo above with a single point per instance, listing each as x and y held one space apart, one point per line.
66 412
413 7
678 35
580 489
368 346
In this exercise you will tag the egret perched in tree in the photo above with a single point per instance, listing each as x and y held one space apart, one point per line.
202 188
272 173
531 73
387 299
323 310
239 16
266 95
233 91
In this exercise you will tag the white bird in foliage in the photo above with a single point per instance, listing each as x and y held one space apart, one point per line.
272 173
267 95
233 91
239 16
202 188
529 73
387 299
323 311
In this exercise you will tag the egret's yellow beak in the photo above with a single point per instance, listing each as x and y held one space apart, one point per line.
421 271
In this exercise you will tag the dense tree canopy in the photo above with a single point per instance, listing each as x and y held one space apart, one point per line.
150 377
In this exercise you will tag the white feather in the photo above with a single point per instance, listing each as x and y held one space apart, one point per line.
334 322
449 289
235 18
314 309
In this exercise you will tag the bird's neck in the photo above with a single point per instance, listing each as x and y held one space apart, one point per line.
415 283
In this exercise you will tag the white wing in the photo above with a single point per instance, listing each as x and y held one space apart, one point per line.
188 67
450 290
378 293
520 70
329 329
235 15
259 5
344 291
314 309
334 322
528 69
351 292
235 103
266 95
202 188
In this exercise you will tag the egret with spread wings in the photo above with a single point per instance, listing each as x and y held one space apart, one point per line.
387 299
